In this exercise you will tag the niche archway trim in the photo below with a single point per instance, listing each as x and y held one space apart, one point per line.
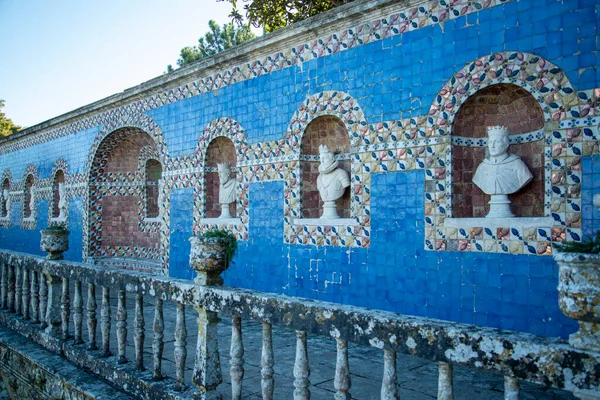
546 82
334 103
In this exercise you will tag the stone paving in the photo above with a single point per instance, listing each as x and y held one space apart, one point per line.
417 378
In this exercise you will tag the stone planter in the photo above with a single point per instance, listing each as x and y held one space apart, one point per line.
54 242
207 258
579 296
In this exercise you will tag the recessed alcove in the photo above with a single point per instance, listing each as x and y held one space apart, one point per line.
220 150
118 186
506 105
4 206
27 198
330 131
59 179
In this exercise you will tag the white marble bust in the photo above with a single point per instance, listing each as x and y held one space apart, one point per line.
331 182
227 189
62 201
501 173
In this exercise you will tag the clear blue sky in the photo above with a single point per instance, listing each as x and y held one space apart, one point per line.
58 55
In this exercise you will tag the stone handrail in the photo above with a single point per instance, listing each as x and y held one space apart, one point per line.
548 361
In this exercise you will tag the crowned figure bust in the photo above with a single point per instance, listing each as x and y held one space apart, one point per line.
331 182
227 189
500 173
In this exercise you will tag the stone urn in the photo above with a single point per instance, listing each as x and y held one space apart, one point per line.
208 258
579 296
54 242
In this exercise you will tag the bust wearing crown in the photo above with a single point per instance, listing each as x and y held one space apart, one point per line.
227 189
501 173
331 182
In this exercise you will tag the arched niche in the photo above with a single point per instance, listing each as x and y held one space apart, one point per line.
28 198
4 198
153 173
330 131
118 235
220 150
506 105
58 195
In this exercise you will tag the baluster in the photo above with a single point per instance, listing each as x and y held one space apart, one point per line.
389 388
35 297
11 288
4 286
105 326
266 361
158 343
342 381
180 347
138 336
301 368
91 317
207 367
26 294
53 310
511 388
445 385
121 326
78 312
65 307
237 357
43 301
18 290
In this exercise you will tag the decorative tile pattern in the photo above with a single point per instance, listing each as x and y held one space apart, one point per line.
418 143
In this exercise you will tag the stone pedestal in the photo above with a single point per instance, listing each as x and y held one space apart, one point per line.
225 212
208 259
579 296
329 210
499 207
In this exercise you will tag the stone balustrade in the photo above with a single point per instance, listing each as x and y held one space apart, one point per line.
36 301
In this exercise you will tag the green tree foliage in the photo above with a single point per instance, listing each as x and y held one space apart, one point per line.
7 127
276 14
214 41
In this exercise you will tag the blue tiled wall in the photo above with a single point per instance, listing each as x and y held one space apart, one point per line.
395 273
73 148
393 78
182 215
25 240
262 261
75 251
590 185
